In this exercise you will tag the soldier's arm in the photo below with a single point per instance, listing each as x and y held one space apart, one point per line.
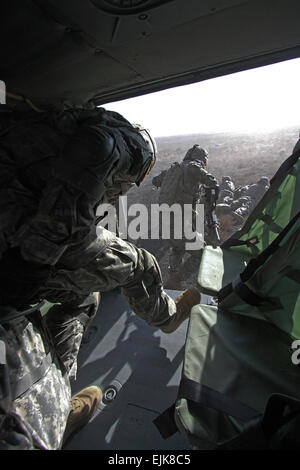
195 173
208 179
157 180
14 432
67 207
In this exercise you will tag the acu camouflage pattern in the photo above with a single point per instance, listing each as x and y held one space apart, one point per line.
50 218
55 168
66 324
45 406
103 264
182 184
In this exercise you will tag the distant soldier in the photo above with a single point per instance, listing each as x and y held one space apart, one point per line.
257 190
243 206
182 184
225 194
157 180
227 183
240 191
230 221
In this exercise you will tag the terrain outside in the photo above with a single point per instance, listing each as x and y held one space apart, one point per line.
244 157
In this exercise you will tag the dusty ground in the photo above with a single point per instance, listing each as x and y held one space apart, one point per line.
244 157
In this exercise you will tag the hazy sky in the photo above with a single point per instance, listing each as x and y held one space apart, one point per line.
261 99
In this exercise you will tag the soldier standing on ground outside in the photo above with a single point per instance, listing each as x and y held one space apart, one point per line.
257 190
181 184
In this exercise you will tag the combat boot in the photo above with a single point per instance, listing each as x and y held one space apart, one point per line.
83 407
184 304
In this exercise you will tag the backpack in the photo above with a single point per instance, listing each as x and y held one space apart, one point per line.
171 184
240 386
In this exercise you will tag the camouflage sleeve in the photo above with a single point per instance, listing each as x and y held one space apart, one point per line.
157 180
14 434
63 218
35 390
14 198
67 206
195 173
109 262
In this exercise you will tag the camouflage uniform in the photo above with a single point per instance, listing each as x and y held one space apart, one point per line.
36 403
240 191
225 194
227 184
56 168
182 184
103 264
230 221
243 206
256 191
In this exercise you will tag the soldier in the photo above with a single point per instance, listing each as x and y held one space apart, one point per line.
56 168
182 184
227 184
240 191
257 190
243 206
225 194
230 221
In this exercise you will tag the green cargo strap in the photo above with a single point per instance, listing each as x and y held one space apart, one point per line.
236 242
293 274
251 298
255 263
270 222
165 423
21 386
295 172
284 169
205 396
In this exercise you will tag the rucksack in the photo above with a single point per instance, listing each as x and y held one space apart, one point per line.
171 184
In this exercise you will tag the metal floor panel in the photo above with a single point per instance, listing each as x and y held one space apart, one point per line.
139 367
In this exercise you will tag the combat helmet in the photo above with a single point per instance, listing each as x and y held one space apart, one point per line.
196 153
134 155
264 180
147 163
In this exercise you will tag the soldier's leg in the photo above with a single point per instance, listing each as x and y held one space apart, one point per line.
111 262
66 324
